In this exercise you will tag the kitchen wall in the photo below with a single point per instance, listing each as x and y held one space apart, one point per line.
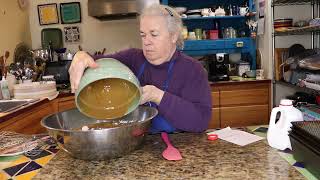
14 27
95 34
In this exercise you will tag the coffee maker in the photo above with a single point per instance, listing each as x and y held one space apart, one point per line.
218 67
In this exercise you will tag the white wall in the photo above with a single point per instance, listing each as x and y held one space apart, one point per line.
14 27
95 34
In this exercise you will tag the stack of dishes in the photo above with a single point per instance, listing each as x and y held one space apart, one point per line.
194 13
180 10
282 22
35 90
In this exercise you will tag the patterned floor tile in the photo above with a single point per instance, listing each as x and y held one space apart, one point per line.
20 160
298 164
40 155
44 160
27 176
14 169
3 176
53 150
30 167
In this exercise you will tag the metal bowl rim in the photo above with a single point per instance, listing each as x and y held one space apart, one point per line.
96 130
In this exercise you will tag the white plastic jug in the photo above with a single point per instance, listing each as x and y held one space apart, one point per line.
278 132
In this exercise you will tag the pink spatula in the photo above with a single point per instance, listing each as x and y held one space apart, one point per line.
170 153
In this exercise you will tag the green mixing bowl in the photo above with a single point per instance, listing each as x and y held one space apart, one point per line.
109 91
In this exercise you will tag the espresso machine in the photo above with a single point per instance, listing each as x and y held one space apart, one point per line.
218 67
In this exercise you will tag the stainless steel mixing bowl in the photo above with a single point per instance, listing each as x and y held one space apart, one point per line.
65 128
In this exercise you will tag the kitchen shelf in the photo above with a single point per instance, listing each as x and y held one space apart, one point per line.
293 2
298 88
230 45
298 31
213 17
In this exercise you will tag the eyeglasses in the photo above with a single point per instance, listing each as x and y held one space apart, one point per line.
171 14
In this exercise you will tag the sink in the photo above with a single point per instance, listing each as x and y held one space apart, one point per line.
9 105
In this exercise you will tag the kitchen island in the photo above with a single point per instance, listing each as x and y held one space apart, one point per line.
202 159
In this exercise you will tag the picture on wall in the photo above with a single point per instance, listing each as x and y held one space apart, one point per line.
72 34
70 13
48 14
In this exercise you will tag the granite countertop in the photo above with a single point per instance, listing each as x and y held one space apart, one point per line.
202 159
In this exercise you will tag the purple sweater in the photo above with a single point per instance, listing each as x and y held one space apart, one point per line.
187 102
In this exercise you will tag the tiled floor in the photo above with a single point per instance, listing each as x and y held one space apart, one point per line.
26 166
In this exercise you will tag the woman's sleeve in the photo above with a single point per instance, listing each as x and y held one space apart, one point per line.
192 111
124 56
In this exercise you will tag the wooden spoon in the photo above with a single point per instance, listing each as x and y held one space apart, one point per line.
170 153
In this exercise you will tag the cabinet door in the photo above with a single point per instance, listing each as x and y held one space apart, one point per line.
215 99
244 97
239 116
215 118
66 103
29 122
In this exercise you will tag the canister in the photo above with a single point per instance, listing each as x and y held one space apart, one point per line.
243 67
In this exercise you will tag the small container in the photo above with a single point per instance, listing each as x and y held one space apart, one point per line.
213 34
259 74
185 33
243 67
192 35
4 88
198 33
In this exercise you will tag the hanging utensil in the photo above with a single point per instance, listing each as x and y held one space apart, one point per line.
170 153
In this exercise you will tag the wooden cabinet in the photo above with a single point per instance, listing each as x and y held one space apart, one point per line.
66 103
27 121
238 104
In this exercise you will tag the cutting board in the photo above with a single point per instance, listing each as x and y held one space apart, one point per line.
51 34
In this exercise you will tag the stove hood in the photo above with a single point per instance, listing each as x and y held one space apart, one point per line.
117 9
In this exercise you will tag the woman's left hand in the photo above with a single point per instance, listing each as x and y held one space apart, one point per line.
151 93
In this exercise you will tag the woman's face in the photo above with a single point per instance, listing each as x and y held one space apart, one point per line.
158 44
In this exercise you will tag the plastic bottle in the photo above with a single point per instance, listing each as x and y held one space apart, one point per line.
278 132
4 88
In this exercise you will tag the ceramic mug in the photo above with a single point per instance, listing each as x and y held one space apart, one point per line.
192 36
198 33
103 92
243 11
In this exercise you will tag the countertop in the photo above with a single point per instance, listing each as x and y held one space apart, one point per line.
245 80
202 159
7 115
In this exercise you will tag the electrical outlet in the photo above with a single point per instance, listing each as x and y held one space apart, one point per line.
239 44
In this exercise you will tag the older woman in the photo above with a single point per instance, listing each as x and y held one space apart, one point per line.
171 81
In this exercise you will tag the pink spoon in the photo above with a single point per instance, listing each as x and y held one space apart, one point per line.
170 153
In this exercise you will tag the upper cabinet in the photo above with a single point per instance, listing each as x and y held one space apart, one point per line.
217 26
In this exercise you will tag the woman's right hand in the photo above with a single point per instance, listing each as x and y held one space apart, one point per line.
80 62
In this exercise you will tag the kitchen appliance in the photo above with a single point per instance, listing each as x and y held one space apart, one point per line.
277 135
218 67
115 9
99 144
59 69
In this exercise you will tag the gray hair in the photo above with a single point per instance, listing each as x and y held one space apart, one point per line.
174 22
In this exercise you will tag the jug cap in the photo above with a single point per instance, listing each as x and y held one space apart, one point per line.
286 102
